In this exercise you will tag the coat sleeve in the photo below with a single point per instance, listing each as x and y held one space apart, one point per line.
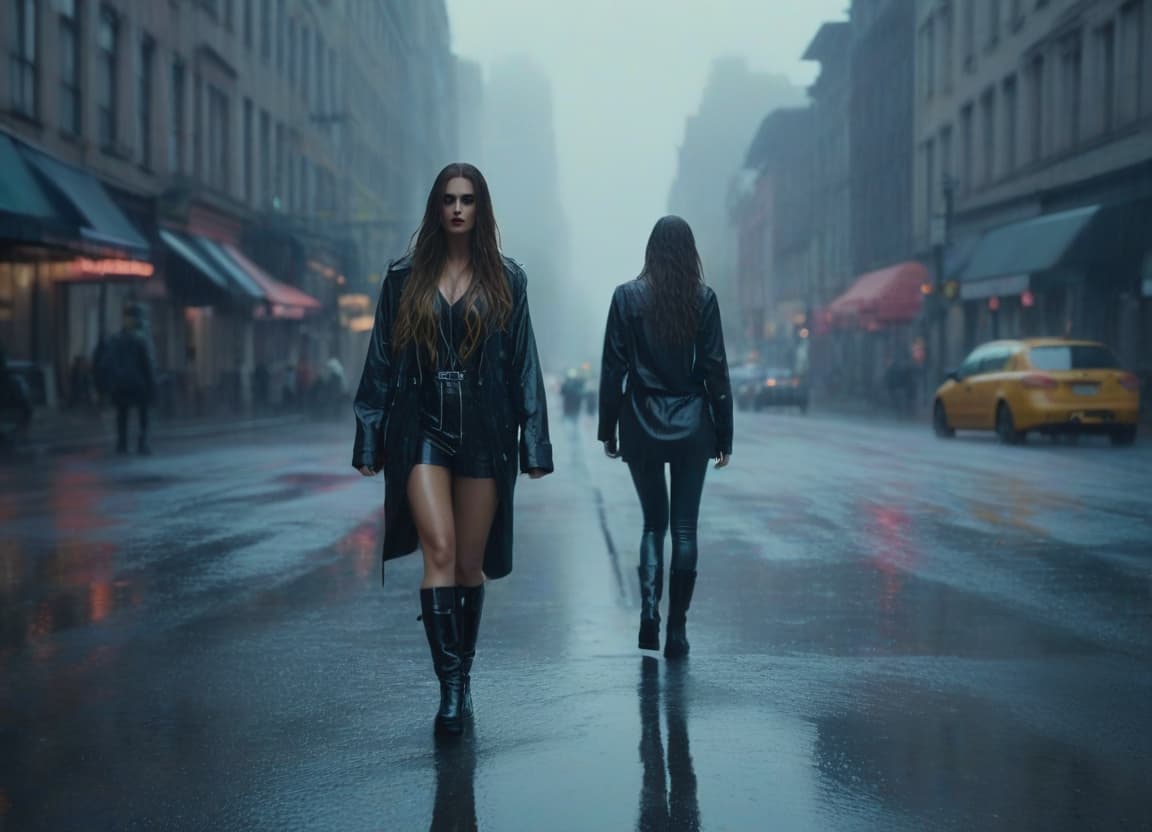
373 396
613 371
711 355
530 399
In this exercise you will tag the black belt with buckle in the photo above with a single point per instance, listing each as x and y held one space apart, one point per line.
450 375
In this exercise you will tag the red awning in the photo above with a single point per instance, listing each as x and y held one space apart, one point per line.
283 301
881 298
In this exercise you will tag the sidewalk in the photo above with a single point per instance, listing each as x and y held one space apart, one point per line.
69 431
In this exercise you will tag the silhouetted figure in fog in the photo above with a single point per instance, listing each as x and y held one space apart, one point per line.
664 381
14 397
451 382
572 394
126 374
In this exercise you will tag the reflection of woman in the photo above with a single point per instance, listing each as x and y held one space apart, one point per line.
451 386
455 807
667 801
664 342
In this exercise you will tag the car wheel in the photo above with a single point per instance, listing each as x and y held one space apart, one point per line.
940 421
1006 426
1122 437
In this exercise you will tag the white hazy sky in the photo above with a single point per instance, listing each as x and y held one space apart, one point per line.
625 74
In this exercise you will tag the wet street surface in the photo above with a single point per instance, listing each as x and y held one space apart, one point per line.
889 632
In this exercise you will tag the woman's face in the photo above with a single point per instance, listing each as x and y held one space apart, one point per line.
458 206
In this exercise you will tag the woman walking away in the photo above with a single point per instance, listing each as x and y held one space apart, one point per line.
664 382
451 386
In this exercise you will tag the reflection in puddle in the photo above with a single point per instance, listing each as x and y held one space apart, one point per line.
668 786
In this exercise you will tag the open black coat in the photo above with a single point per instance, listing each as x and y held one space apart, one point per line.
512 398
670 401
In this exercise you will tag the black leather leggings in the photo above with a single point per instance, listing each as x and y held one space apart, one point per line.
684 507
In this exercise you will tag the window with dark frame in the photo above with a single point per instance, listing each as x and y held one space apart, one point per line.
1072 88
1106 50
249 149
249 33
1133 62
266 30
1010 121
988 125
23 60
107 75
176 130
145 69
70 60
1036 108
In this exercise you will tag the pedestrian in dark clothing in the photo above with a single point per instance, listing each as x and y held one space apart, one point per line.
451 386
14 399
126 374
572 394
664 382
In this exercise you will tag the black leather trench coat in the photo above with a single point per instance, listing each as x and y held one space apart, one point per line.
670 402
512 396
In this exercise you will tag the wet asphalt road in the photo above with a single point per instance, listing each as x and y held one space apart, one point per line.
890 632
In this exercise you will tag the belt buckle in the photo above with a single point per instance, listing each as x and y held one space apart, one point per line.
449 375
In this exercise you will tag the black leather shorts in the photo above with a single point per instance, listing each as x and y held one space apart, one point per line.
460 463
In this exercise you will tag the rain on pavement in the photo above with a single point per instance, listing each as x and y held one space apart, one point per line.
890 632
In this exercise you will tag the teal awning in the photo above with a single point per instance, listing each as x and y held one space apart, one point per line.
104 224
1023 248
26 210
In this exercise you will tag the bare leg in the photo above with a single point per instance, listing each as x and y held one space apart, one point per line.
474 506
430 497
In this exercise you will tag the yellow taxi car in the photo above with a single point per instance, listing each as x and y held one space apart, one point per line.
1049 385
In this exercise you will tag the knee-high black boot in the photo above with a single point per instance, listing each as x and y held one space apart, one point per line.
651 572
438 610
681 582
470 604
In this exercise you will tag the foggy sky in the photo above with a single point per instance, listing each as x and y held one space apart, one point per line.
625 74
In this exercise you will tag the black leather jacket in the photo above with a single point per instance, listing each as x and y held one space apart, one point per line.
511 402
668 401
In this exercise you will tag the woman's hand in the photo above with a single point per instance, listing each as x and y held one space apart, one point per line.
722 460
537 473
611 449
367 471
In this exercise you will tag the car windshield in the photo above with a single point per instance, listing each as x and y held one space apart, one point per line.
1073 357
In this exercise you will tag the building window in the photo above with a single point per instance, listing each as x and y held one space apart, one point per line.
145 69
946 39
217 167
249 150
1010 119
966 149
1106 49
266 30
249 23
319 103
23 64
281 38
928 61
929 178
176 129
946 170
969 33
1036 109
107 76
1132 64
70 108
1071 87
993 22
281 165
305 62
988 124
265 159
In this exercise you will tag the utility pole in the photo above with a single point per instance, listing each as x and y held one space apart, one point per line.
941 234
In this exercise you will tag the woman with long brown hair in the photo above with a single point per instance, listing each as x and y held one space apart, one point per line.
664 383
450 403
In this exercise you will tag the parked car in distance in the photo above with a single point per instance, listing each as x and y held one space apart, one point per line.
1047 385
780 387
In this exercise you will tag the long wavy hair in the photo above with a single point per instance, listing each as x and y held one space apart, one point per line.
488 301
672 268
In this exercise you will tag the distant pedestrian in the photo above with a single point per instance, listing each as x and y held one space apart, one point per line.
451 384
572 394
126 373
664 383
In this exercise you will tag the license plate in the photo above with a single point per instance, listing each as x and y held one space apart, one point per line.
1085 389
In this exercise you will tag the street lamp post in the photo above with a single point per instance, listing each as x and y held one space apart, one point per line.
941 232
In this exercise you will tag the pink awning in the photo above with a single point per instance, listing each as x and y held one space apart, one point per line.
283 301
881 298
